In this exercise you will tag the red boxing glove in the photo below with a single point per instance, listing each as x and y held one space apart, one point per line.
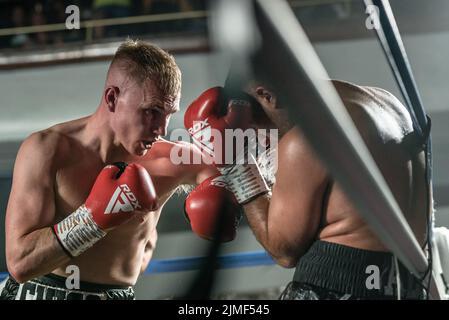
210 204
212 110
118 192
207 119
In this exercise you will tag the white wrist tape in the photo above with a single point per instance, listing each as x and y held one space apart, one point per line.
267 162
78 232
245 181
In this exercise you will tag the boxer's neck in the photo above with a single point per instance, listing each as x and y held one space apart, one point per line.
101 138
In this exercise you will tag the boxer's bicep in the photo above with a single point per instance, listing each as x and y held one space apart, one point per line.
31 202
296 203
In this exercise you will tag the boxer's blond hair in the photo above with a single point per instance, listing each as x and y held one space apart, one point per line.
143 61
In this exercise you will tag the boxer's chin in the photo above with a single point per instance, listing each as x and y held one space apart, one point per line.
140 149
147 144
141 153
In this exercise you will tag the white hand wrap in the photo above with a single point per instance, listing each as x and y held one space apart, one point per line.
267 163
78 232
245 181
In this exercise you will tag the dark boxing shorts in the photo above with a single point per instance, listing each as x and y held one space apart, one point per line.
333 271
53 287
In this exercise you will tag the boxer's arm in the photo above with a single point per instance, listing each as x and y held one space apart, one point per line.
287 223
31 247
196 173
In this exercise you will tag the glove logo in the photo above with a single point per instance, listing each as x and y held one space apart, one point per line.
219 181
201 135
122 200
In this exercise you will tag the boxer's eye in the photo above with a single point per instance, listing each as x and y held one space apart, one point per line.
150 111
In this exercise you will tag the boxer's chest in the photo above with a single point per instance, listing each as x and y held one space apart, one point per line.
73 184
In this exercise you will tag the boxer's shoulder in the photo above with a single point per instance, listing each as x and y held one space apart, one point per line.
53 150
354 96
375 111
47 143
166 149
369 97
292 141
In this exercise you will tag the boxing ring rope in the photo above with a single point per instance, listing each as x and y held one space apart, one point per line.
92 51
88 52
89 24
327 126
314 3
226 261
172 16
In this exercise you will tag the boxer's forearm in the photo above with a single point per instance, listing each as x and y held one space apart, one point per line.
257 213
35 254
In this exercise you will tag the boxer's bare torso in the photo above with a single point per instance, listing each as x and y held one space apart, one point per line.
308 205
384 124
124 253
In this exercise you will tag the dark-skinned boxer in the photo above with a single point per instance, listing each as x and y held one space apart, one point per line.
304 219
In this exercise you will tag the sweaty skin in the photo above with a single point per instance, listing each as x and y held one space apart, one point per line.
56 168
307 205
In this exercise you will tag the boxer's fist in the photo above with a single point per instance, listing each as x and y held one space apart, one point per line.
210 204
118 192
210 115
211 119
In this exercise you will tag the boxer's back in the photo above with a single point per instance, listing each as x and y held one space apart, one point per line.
386 128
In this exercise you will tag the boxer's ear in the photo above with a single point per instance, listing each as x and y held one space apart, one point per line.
266 96
110 97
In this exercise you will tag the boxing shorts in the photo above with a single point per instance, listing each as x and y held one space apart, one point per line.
53 287
330 271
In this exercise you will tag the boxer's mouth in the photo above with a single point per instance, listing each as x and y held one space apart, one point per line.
148 143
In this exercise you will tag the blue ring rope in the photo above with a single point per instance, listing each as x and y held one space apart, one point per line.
228 261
